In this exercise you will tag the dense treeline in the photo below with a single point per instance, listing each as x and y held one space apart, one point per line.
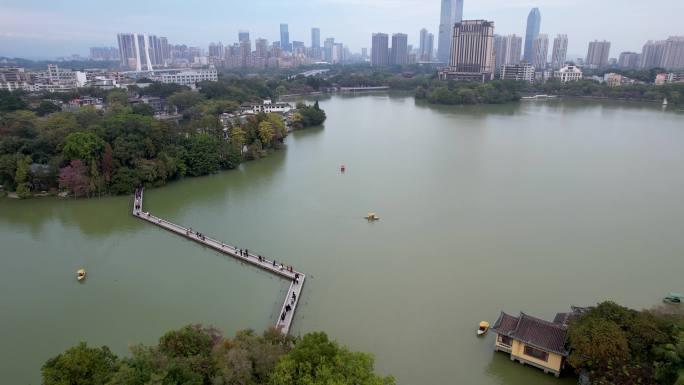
90 152
612 344
195 355
453 93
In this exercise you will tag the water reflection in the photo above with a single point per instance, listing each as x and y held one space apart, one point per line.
504 371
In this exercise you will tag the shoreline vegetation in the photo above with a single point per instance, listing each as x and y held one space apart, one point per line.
91 152
611 344
197 355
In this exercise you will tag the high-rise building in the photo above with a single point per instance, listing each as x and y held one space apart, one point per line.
673 57
380 50
597 54
628 60
139 52
315 38
328 46
472 52
285 37
261 48
507 50
399 52
451 13
560 51
166 49
426 46
216 50
540 52
245 53
243 35
533 28
337 53
364 53
104 53
652 54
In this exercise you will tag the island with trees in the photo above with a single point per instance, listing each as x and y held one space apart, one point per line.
90 152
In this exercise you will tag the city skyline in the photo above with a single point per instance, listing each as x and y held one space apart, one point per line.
53 32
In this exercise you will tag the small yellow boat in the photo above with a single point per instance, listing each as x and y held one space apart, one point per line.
80 274
372 217
484 327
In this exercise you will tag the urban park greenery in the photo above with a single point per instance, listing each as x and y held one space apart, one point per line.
91 152
197 355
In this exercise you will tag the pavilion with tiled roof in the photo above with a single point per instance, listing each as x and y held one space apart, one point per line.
534 341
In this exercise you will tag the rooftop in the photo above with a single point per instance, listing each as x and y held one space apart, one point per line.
549 336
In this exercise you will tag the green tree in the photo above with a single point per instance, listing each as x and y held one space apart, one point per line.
117 97
124 181
85 146
10 101
315 360
595 340
238 138
202 156
184 100
46 107
266 133
21 177
80 365
143 109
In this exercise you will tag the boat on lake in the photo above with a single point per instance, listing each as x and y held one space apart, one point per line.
484 327
674 298
372 217
536 97
80 274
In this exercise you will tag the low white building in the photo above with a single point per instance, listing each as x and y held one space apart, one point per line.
189 77
519 72
267 106
568 73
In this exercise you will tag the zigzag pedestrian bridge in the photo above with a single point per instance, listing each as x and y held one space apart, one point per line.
296 278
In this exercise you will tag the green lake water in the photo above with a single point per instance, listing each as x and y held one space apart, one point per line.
527 207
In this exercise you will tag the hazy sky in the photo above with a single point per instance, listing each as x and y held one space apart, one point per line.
50 28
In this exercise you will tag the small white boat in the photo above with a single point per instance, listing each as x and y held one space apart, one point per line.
80 274
372 217
665 102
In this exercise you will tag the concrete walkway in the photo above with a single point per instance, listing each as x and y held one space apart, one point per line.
285 317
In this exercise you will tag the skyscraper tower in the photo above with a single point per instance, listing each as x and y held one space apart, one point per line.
380 50
426 45
472 52
597 54
540 48
533 27
452 13
560 51
285 38
243 35
315 38
399 53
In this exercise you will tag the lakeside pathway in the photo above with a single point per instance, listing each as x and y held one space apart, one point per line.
296 278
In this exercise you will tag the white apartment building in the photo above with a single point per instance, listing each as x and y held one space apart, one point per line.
519 72
189 77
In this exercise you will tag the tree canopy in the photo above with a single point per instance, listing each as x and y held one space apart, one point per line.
200 355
